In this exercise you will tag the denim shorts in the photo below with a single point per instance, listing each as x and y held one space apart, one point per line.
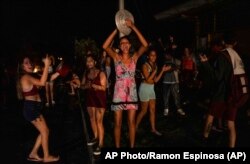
146 92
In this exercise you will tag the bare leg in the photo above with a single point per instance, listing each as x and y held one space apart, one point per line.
41 125
47 91
117 128
131 125
152 116
208 125
100 128
52 90
142 113
34 152
232 133
92 113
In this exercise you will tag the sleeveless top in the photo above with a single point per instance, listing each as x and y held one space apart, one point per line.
188 64
125 86
150 70
95 98
32 92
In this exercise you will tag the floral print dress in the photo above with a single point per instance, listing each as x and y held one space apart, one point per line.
125 93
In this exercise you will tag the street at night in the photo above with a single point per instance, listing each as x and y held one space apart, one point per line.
91 65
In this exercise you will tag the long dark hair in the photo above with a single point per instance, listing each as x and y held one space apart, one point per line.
20 73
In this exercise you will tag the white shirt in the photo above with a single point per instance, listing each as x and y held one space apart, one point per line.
238 66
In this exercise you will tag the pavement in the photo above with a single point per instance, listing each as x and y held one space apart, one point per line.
69 130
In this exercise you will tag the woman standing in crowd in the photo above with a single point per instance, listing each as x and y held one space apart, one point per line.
27 87
95 83
146 90
106 67
125 94
188 72
188 67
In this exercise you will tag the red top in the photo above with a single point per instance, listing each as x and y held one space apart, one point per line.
188 64
63 70
32 92
95 98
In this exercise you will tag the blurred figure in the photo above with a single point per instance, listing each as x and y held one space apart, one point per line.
188 78
171 84
224 103
188 67
74 83
49 86
106 67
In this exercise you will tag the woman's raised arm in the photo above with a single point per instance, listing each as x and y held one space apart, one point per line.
107 45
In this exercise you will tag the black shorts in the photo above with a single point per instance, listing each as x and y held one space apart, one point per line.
32 110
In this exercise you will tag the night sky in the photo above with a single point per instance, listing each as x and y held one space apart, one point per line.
53 25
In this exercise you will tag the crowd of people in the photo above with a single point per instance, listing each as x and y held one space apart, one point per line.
177 75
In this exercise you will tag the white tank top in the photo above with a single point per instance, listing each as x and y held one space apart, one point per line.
238 66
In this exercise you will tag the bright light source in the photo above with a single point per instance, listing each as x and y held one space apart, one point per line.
35 70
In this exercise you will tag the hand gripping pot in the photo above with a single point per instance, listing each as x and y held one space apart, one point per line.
120 18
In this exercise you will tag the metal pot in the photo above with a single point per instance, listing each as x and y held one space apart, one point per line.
120 18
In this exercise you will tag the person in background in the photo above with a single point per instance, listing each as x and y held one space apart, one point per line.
171 84
188 72
188 67
74 83
106 67
49 87
125 92
32 106
224 103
